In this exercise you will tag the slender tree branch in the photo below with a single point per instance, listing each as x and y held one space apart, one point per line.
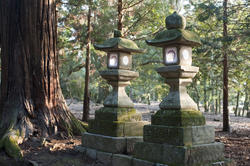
136 22
130 6
76 69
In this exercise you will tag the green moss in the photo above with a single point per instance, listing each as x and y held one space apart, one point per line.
116 128
85 125
117 114
168 134
9 142
116 122
118 43
75 127
175 21
11 147
66 127
178 118
175 36
78 127
110 128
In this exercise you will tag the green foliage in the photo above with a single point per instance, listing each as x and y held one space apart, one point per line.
143 21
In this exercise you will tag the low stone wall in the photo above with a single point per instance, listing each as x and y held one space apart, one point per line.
111 159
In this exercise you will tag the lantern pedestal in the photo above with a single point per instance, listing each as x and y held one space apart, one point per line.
116 122
118 79
178 134
178 108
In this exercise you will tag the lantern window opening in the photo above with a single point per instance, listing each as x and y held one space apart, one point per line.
170 55
113 60
125 60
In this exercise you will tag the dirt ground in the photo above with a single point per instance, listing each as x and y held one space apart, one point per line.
57 151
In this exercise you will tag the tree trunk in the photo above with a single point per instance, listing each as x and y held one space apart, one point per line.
87 68
212 99
205 95
216 100
237 103
219 101
120 15
239 111
31 97
225 71
245 105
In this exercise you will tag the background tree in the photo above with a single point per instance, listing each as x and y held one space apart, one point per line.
87 68
225 70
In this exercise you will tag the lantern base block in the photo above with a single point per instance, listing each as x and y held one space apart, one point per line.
117 122
179 136
117 114
179 118
116 128
116 145
171 155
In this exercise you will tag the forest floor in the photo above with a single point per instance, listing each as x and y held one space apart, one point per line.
57 151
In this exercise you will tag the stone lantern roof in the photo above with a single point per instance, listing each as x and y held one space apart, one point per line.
118 43
175 33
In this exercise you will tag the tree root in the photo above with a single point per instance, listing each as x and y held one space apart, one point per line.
75 127
10 136
9 142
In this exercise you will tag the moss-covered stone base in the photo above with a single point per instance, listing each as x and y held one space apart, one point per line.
197 155
121 145
117 114
178 118
181 136
116 128
117 122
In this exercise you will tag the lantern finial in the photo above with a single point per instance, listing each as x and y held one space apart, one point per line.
117 33
175 21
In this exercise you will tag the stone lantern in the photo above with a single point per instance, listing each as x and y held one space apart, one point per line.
117 122
119 63
178 72
119 58
178 135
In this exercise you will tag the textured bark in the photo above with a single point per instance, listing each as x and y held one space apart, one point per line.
216 100
246 102
213 97
86 108
219 100
205 95
120 15
31 98
225 71
237 103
